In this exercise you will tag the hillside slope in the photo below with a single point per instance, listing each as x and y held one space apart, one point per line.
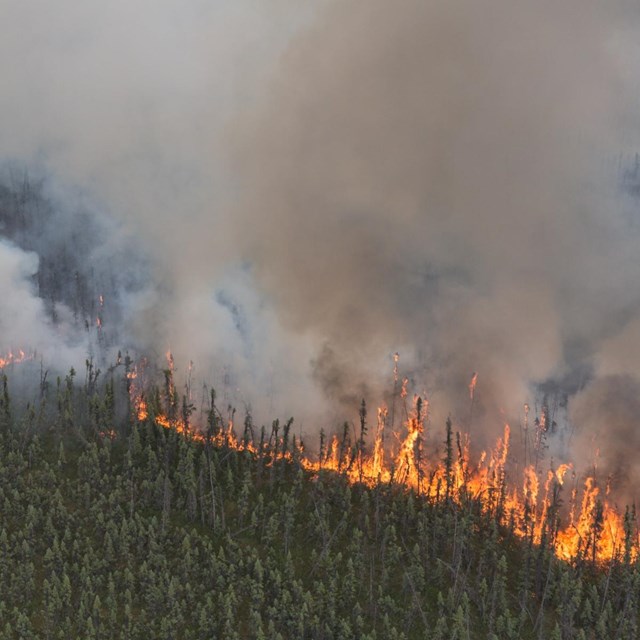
142 532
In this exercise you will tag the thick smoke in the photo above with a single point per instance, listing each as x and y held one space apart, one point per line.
440 179
70 275
122 106
304 192
607 436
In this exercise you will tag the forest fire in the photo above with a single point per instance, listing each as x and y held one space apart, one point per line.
584 524
594 528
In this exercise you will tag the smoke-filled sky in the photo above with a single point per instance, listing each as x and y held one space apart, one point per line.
314 188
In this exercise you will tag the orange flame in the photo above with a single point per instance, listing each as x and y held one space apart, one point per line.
14 358
592 528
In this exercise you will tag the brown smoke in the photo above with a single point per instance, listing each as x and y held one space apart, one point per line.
428 177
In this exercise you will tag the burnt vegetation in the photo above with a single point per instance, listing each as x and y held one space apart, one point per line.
115 526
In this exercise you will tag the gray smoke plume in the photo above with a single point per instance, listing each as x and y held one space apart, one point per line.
121 107
607 434
440 179
307 191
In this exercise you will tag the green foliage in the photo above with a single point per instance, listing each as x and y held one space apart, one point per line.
156 535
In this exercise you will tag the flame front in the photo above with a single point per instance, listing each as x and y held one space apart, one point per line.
592 528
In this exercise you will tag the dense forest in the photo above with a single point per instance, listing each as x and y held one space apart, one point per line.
287 197
115 525
127 512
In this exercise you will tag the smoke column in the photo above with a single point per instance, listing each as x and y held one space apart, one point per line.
440 177
313 190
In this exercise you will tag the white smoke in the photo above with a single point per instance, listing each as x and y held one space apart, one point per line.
23 321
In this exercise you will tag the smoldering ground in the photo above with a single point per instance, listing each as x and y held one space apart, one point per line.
317 189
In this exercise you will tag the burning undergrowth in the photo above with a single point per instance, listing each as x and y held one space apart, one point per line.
558 474
546 501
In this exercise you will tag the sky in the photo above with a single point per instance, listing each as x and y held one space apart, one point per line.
314 188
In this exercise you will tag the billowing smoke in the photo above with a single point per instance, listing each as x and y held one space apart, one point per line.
118 110
23 315
305 192
440 178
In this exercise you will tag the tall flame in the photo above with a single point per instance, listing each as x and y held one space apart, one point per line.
472 385
591 529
